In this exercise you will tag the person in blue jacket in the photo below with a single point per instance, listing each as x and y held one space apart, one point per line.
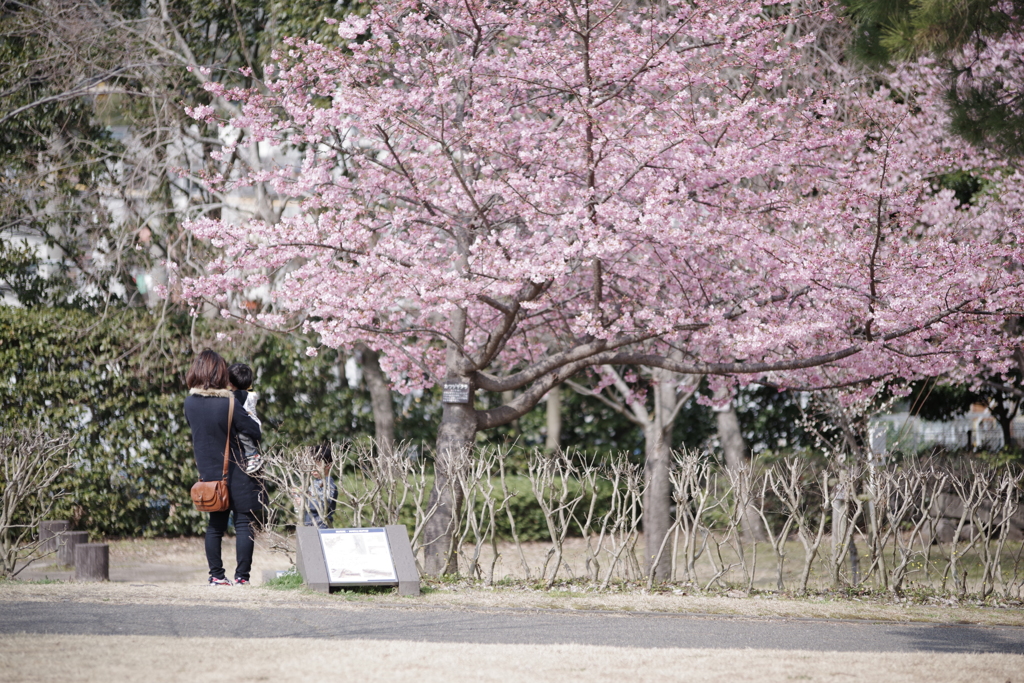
323 491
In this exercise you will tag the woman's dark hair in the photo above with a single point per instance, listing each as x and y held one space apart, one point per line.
240 375
208 371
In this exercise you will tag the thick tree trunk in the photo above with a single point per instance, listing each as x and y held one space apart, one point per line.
1004 411
455 438
657 504
380 400
1006 424
734 448
553 440
658 494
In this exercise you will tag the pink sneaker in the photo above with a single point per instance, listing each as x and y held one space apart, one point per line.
214 581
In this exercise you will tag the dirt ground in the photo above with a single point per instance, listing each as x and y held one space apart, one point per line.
35 658
162 560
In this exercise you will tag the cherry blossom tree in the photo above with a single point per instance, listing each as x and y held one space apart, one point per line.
505 194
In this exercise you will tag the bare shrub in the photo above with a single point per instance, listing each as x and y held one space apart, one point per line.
691 490
620 525
375 486
556 484
32 461
815 515
775 481
479 510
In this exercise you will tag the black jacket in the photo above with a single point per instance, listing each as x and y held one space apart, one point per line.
207 413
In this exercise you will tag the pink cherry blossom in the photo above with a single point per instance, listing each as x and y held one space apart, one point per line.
509 193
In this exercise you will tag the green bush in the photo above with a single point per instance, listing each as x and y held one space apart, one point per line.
527 513
98 377
67 370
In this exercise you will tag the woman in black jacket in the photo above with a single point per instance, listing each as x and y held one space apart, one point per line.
206 409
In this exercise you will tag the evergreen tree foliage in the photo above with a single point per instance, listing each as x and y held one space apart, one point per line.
985 104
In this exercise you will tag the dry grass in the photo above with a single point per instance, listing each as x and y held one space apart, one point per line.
38 658
763 564
172 571
738 604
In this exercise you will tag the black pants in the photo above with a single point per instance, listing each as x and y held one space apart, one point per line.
244 543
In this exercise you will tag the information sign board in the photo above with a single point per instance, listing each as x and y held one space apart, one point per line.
455 392
335 558
356 556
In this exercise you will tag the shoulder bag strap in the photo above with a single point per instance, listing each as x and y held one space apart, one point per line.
227 444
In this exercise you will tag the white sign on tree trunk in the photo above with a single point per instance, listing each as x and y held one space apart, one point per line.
455 392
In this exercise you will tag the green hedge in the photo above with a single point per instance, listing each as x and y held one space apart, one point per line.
99 378
67 370
529 518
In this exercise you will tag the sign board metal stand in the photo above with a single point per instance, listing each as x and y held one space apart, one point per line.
314 566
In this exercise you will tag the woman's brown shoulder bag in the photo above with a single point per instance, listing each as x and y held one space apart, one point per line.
212 496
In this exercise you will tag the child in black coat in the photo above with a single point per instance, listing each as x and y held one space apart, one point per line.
240 376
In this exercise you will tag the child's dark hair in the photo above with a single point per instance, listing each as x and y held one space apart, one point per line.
323 452
240 375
